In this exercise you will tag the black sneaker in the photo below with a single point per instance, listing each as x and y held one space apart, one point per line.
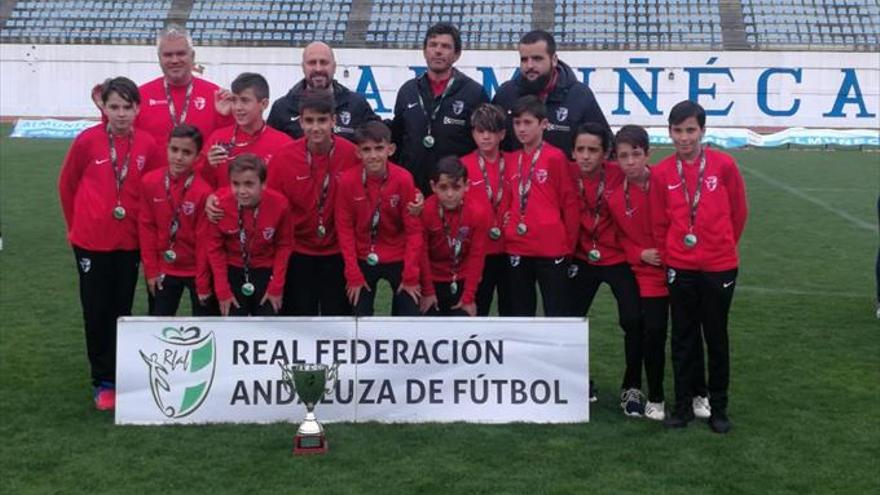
680 417
720 423
594 392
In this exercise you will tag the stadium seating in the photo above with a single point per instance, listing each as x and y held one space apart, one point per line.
482 24
812 23
642 24
577 24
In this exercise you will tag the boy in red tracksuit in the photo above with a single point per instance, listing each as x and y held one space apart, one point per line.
599 257
249 247
249 133
172 211
486 167
378 237
698 212
306 171
455 236
99 189
541 215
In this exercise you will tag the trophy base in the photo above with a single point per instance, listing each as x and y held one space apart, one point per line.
309 444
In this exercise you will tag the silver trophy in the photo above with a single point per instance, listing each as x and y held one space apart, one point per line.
310 382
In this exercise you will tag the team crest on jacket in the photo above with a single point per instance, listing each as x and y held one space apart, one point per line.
345 117
394 200
85 264
457 107
712 182
268 233
561 114
541 174
188 208
141 162
199 103
464 231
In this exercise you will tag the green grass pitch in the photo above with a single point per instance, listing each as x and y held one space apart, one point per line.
804 392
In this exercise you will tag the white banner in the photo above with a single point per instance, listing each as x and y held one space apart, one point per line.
738 89
492 370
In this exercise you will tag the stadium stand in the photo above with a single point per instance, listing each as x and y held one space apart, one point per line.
492 24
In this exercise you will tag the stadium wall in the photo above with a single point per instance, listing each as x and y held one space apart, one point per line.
739 89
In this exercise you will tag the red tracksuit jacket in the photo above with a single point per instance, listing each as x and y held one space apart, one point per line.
264 143
552 213
634 226
470 223
400 234
270 241
201 113
478 191
155 221
289 174
606 231
721 213
87 189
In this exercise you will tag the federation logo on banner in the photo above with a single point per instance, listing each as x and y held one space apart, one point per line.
181 366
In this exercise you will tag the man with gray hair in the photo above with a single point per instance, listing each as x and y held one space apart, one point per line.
177 96
319 67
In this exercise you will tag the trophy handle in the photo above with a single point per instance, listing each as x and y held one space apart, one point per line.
332 378
287 379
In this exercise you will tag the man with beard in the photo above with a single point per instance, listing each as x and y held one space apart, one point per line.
433 111
319 66
569 102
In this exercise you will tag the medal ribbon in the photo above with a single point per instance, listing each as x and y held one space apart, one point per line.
374 220
233 142
175 208
243 241
171 109
433 115
494 200
119 173
597 211
526 187
626 201
455 243
325 183
697 192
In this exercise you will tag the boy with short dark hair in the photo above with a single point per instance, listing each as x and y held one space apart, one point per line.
172 204
306 171
99 191
542 215
698 211
455 236
249 133
599 256
378 238
249 247
486 167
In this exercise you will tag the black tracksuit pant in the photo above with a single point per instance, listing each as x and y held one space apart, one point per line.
315 285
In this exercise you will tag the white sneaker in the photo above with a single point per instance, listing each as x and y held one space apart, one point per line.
655 411
701 407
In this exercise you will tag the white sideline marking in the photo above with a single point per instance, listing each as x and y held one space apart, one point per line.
858 222
800 292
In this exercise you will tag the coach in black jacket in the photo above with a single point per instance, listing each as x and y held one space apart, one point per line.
569 102
433 111
319 67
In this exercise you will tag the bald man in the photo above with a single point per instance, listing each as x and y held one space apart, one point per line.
319 67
